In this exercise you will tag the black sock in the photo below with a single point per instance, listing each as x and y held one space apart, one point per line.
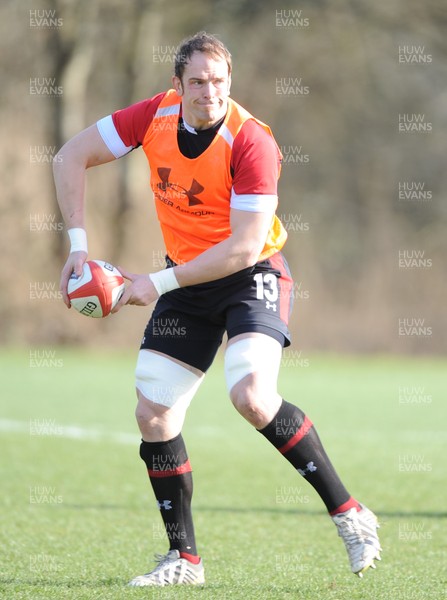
171 478
294 435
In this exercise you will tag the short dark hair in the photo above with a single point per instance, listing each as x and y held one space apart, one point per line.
200 42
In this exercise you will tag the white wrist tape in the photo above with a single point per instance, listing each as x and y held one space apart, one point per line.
164 281
78 239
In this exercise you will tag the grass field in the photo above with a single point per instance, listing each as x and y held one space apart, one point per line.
78 519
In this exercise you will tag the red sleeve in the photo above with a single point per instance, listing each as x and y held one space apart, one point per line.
132 122
255 160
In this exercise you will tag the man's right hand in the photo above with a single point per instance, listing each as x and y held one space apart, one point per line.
74 264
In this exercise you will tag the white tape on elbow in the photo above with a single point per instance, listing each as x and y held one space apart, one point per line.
164 381
257 354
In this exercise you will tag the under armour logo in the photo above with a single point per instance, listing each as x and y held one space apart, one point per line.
166 504
195 188
310 468
270 305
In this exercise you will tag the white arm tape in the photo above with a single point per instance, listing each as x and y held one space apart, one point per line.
262 203
164 281
78 239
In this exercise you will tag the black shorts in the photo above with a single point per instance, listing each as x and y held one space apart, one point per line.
189 323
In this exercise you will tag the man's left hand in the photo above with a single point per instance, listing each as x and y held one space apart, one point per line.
140 292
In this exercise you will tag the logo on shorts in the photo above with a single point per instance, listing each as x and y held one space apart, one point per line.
267 289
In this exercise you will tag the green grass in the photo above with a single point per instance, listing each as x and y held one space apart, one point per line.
262 531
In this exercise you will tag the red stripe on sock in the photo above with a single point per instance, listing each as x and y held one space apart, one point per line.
351 503
302 431
193 558
184 468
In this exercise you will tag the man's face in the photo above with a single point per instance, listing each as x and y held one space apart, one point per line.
204 89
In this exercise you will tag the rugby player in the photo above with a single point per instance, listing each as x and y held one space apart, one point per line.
214 172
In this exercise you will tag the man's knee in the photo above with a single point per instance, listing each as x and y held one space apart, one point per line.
251 370
147 411
256 402
245 395
158 423
164 389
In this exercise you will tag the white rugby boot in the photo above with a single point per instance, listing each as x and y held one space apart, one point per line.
359 533
172 570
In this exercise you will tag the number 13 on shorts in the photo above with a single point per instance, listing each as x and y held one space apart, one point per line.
267 289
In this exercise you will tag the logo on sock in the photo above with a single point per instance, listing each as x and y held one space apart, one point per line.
166 504
310 468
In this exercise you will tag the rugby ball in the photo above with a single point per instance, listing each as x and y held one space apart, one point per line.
97 291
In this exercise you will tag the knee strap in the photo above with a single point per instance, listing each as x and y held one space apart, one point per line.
260 353
164 381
